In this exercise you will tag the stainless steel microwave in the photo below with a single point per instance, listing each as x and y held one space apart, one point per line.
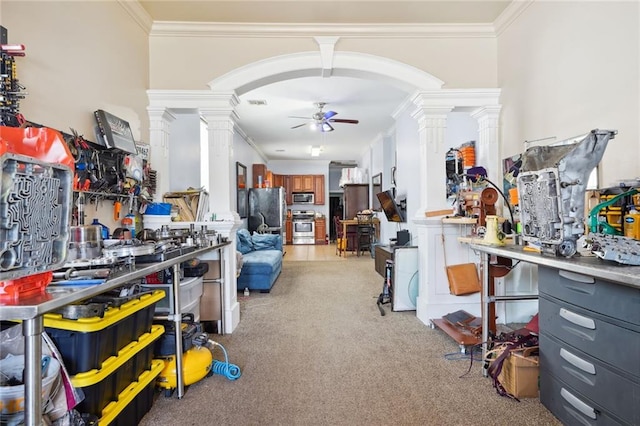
302 198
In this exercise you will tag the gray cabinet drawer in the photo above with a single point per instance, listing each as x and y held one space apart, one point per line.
614 300
588 333
591 378
571 407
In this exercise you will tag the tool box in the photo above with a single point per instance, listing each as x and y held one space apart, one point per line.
102 386
85 343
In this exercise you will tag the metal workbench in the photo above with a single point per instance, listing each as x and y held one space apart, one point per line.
30 311
586 265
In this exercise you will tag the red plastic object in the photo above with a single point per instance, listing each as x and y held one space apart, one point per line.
32 285
42 143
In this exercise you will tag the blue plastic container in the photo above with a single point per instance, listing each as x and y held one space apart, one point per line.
158 209
104 231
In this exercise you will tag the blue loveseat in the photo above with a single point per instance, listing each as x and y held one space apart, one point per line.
261 260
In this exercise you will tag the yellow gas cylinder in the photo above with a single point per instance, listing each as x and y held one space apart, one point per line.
196 365
632 223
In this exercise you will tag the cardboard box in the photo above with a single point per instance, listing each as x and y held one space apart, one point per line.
520 372
210 304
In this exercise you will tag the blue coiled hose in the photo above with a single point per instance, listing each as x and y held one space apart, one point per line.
226 369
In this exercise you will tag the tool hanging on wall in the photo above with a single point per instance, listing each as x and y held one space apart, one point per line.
11 91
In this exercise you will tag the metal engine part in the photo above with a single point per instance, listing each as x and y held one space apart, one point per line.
620 249
551 187
34 224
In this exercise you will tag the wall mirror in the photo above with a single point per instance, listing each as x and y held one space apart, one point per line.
241 186
376 187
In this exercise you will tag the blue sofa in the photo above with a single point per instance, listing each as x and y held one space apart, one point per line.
261 260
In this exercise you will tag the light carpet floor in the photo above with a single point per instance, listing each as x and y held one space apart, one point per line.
316 351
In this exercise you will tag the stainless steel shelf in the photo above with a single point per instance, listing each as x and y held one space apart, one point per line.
57 297
30 311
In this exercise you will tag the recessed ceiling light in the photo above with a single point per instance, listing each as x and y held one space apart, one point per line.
260 102
279 150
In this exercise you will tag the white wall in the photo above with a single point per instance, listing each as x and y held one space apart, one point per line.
184 151
568 67
76 63
80 56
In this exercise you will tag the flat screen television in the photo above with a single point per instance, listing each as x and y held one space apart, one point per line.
116 132
390 207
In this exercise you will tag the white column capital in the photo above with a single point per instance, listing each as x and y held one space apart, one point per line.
160 115
487 112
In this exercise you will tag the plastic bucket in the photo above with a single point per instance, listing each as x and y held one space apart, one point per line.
158 209
12 397
154 222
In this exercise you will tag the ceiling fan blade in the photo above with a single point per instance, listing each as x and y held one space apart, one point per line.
299 125
326 127
303 118
327 115
343 120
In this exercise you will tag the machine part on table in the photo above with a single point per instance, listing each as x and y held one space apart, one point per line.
127 249
35 201
87 273
551 186
88 310
85 242
620 249
598 226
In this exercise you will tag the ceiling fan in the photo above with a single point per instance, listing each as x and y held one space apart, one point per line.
321 120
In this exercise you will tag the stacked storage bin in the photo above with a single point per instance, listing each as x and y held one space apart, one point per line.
190 295
111 358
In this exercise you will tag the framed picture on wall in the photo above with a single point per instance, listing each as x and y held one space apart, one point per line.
241 186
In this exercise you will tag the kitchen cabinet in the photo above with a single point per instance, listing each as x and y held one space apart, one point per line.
318 189
278 180
258 170
321 231
289 231
287 189
303 183
355 198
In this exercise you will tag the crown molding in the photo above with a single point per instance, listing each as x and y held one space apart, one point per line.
224 29
510 14
137 12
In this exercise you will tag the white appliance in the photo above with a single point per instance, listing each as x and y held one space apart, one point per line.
405 279
304 224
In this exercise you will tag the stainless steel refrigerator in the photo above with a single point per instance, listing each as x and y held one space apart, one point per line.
267 211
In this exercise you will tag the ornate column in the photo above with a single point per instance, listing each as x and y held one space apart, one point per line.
160 120
221 120
488 146
432 124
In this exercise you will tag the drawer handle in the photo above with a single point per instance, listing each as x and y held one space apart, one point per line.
577 404
577 319
577 361
577 277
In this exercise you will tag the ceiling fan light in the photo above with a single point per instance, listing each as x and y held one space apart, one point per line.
326 127
313 126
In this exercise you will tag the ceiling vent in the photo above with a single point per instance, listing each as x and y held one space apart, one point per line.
260 102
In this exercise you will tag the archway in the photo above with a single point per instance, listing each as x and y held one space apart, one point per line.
306 64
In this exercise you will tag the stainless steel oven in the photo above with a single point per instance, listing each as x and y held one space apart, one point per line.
303 222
